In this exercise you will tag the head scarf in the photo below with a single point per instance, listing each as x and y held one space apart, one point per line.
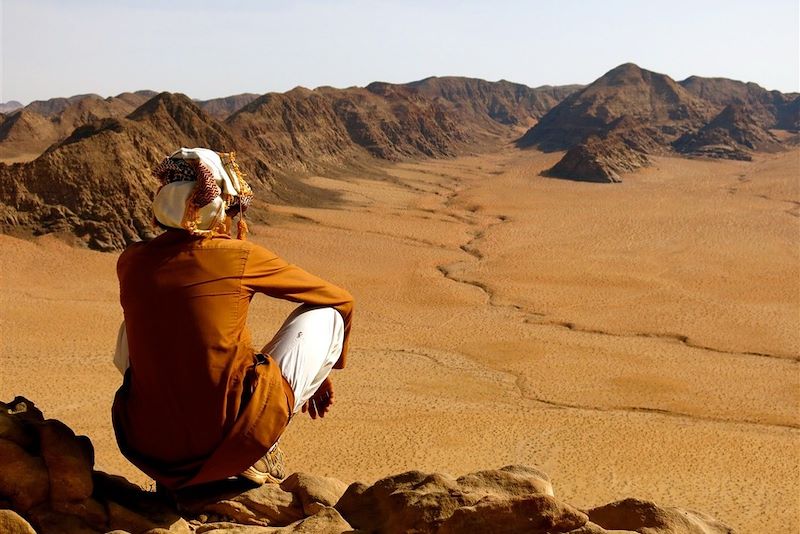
199 189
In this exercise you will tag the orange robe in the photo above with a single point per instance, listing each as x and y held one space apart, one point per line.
192 407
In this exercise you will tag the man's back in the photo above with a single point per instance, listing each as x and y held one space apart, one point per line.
183 402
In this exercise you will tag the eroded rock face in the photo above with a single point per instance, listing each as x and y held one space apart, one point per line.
47 482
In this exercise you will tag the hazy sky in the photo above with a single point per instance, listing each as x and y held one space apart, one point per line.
207 49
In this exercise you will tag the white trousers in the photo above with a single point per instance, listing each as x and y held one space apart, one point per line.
306 348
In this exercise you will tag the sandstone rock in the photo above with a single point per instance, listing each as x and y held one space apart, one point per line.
509 481
267 505
89 510
649 518
533 514
412 501
12 430
69 461
12 523
48 521
315 493
423 502
23 478
326 521
123 518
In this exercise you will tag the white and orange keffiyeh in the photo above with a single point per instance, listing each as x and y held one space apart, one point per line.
200 189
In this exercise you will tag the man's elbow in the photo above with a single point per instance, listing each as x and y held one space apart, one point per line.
347 302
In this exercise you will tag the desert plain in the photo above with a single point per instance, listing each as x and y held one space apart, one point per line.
633 339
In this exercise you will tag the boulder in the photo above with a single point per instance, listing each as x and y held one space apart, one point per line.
325 521
23 478
649 518
69 461
509 481
315 493
267 505
533 514
416 501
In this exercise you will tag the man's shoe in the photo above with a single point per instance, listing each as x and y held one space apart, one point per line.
270 468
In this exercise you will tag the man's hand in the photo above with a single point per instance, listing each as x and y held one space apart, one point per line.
321 401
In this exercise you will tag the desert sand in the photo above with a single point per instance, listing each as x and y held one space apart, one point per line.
635 339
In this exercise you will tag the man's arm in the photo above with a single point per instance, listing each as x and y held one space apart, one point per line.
265 272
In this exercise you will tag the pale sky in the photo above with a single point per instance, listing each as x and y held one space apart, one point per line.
208 49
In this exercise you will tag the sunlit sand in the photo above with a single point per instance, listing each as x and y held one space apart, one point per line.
637 339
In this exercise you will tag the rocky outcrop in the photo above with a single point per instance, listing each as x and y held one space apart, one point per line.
47 482
605 158
597 159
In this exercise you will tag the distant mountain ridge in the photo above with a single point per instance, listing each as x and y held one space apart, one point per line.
92 178
612 125
82 162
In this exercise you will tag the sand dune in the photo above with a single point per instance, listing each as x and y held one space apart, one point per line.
637 339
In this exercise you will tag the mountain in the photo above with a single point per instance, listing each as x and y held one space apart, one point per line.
732 134
54 106
789 117
603 158
303 130
505 102
614 124
769 109
222 108
646 97
25 134
29 131
8 107
92 180
95 183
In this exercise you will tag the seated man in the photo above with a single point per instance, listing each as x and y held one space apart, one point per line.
197 403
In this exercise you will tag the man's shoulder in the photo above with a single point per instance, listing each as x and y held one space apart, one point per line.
171 242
